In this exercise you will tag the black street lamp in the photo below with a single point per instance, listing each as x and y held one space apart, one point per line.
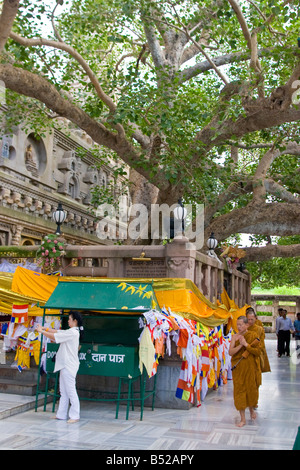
59 216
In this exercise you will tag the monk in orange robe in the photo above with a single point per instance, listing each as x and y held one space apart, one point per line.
244 369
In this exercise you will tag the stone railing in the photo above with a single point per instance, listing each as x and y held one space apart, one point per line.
277 301
173 260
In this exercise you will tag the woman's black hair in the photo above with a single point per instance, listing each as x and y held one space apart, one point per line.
77 316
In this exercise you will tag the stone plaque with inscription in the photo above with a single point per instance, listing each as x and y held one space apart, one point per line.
155 268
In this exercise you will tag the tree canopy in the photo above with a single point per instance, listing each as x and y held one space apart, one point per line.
199 98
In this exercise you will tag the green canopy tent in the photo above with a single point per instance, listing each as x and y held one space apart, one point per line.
103 296
110 311
109 307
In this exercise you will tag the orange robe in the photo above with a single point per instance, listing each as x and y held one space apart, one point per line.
264 360
259 333
265 364
245 376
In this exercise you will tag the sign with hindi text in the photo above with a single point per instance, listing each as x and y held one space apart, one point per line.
102 360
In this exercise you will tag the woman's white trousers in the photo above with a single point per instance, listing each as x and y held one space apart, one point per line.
68 395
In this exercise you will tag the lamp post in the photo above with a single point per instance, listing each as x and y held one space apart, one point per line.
180 214
212 243
59 216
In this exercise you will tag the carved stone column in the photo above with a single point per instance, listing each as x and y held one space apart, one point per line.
180 259
16 235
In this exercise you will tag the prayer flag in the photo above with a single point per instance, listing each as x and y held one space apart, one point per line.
19 313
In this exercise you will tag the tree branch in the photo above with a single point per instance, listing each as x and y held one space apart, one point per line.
209 60
251 39
259 189
274 188
82 62
29 84
184 30
263 253
78 57
233 191
261 186
8 14
280 219
57 35
266 113
241 19
225 59
154 45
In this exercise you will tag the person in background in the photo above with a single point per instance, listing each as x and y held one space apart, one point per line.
67 362
280 310
283 330
296 333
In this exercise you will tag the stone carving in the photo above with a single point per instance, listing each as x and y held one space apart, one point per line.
3 237
16 234
28 201
91 176
70 166
38 205
48 209
68 162
6 196
180 266
176 264
30 161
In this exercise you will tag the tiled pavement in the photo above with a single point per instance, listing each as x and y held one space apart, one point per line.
209 427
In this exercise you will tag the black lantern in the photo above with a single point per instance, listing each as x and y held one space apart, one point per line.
241 267
59 216
212 243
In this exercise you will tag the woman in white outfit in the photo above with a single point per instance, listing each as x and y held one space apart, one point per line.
67 362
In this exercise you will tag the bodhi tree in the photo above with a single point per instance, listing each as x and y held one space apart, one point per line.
200 99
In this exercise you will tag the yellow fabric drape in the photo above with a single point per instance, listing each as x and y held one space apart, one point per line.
24 287
180 295
32 284
8 298
233 309
183 297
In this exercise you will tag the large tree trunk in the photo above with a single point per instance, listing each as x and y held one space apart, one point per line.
141 192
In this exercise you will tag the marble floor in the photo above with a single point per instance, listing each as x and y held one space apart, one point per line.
212 426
